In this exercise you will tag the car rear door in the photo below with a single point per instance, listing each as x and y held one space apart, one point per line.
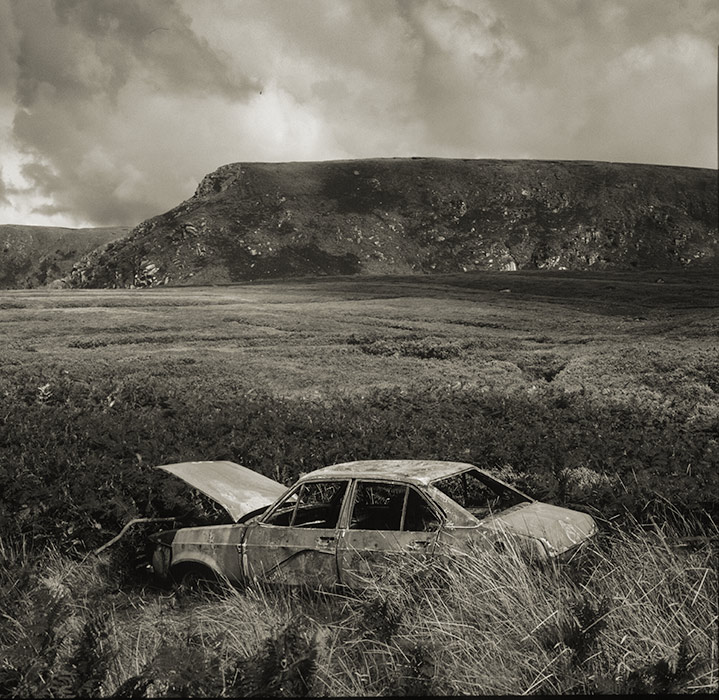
387 523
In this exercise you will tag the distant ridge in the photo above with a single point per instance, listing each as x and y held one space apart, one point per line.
33 256
417 215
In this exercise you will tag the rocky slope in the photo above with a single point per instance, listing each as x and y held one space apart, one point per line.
33 256
417 215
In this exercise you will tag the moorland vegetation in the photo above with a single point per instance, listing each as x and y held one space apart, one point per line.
598 392
35 256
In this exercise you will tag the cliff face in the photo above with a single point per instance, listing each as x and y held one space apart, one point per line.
423 215
33 256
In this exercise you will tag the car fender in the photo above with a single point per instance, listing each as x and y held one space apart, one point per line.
197 558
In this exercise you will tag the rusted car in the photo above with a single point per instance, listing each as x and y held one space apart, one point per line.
346 523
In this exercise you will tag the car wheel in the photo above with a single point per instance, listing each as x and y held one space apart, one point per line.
194 579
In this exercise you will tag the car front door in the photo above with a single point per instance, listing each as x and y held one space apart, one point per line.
388 523
296 542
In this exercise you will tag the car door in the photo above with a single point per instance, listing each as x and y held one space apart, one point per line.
296 541
387 523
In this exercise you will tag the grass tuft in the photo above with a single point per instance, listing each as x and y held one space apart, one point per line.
637 613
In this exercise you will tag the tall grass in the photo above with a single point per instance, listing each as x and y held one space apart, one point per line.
636 612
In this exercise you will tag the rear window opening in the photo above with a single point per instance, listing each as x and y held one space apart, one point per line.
480 494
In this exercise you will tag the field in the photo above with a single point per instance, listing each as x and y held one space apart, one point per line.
596 391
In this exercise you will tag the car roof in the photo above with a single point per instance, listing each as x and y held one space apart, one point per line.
416 471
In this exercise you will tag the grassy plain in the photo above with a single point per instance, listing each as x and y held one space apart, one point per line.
610 332
599 391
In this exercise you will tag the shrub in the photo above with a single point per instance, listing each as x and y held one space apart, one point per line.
425 348
78 458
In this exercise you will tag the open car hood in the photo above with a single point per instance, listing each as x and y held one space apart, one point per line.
237 489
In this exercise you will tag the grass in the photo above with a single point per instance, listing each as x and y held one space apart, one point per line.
596 392
636 614
586 330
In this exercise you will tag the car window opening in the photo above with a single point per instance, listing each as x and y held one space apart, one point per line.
317 505
393 507
479 494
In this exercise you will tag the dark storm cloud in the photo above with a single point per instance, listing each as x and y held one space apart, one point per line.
83 48
112 110
9 39
74 62
3 190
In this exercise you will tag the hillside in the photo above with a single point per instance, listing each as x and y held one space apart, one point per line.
33 256
417 215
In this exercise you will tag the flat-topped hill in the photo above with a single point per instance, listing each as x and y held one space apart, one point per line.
417 215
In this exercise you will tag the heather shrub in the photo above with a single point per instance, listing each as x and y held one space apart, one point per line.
78 457
426 348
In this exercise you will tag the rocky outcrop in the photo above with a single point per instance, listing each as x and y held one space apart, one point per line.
417 215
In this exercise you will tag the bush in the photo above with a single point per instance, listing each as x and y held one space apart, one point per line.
78 458
425 348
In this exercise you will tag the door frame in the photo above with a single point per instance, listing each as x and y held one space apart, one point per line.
345 533
318 540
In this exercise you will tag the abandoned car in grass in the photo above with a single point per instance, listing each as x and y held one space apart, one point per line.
345 524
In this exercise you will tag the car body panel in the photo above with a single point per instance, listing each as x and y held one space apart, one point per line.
364 556
217 547
290 555
413 471
559 529
237 489
294 542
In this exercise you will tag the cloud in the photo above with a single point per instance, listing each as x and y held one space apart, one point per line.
3 190
464 57
112 110
571 91
86 48
640 118
350 64
89 78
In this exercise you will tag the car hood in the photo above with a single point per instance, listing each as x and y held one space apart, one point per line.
558 528
237 489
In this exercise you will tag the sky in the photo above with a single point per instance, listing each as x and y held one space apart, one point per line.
112 111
